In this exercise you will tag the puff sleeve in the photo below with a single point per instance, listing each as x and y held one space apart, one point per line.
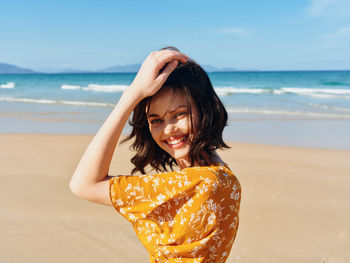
135 197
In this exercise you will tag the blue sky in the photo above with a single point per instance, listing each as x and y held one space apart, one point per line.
255 34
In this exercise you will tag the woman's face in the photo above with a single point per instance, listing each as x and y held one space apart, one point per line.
170 124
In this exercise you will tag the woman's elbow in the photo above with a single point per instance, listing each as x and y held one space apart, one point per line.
76 189
97 193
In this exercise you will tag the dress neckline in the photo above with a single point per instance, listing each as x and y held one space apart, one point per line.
208 166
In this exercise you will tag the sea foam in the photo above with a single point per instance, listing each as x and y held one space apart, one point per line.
70 87
329 107
8 85
326 96
59 102
105 88
86 103
225 91
314 91
27 100
287 113
96 87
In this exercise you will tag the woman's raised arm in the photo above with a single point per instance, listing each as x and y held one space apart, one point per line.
90 180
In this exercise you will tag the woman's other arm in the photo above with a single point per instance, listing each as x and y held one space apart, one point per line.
90 180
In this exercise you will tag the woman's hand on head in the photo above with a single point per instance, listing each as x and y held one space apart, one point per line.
150 77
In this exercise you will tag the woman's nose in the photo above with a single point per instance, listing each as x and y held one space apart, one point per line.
170 127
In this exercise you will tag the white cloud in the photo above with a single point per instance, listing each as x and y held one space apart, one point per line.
339 34
340 37
319 7
329 8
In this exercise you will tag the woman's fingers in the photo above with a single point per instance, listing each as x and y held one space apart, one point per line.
167 70
171 55
174 56
165 56
155 70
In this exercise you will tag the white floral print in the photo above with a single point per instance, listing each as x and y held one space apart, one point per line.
190 215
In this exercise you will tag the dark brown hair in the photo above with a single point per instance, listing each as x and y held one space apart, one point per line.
194 82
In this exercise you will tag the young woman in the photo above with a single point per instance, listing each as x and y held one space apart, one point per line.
187 215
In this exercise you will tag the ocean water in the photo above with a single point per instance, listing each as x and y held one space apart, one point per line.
259 97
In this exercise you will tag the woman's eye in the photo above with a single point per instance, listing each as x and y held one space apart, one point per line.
155 121
180 114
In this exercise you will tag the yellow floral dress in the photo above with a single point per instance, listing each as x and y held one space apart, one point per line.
189 215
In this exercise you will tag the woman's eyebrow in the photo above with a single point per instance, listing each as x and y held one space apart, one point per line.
150 115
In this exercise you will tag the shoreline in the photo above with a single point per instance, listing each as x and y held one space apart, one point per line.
271 130
322 134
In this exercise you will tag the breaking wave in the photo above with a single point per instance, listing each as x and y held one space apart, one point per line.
8 85
59 102
96 87
287 113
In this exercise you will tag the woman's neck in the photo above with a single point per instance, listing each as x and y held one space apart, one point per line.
208 159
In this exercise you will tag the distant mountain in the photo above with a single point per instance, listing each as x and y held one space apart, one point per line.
132 68
60 70
12 69
135 68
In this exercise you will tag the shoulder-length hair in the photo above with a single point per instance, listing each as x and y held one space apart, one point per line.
194 82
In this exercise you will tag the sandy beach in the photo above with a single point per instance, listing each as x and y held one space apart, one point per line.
281 70
294 204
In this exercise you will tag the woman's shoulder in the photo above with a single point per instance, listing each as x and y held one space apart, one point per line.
214 171
216 166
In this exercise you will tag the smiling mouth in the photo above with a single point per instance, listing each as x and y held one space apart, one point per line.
176 141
